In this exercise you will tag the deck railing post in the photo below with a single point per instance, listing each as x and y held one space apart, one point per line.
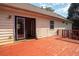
58 32
68 33
78 34
62 33
73 34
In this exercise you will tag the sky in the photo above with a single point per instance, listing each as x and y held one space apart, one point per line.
60 8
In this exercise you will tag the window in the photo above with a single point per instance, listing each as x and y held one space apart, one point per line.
51 24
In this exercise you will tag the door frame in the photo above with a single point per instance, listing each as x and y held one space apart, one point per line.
32 27
16 31
16 39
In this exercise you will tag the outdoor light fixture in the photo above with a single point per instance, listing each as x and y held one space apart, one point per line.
9 17
63 21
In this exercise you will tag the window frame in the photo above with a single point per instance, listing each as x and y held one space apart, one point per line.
51 24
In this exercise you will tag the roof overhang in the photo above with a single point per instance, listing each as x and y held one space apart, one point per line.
31 8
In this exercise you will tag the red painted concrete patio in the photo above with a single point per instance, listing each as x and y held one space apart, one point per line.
51 46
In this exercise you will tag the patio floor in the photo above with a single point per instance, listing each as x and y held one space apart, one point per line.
50 46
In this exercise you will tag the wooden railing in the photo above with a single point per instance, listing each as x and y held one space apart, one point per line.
73 34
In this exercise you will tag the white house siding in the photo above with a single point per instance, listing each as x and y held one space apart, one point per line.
6 27
69 26
42 26
61 25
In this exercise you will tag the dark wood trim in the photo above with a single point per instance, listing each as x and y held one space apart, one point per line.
15 30
26 18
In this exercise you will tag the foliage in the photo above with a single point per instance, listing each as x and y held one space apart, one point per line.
73 15
73 11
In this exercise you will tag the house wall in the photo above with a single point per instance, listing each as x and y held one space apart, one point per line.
43 27
7 29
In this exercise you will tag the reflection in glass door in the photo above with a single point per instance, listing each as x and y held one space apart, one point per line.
20 28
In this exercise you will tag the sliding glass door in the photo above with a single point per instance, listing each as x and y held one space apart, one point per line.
25 28
20 27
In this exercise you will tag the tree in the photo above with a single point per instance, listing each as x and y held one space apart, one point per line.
73 15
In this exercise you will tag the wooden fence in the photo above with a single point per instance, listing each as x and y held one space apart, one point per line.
73 34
